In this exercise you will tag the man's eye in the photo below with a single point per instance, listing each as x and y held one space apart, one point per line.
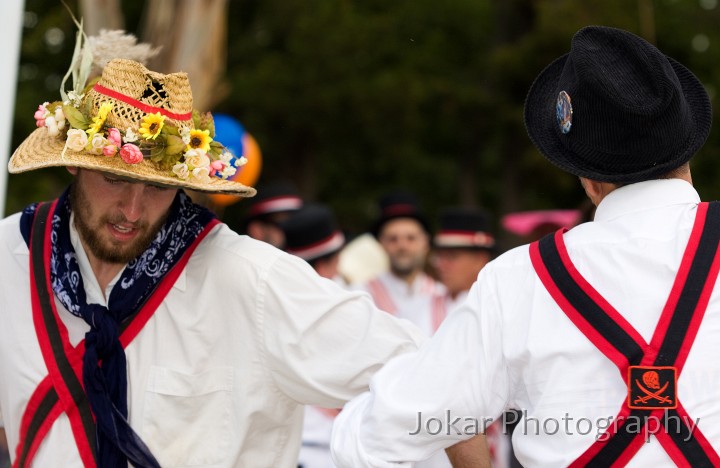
113 181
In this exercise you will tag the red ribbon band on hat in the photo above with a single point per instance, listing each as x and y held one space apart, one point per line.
140 105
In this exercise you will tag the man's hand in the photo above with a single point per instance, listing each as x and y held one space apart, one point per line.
471 453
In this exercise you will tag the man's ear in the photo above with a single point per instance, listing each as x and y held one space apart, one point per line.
596 190
72 170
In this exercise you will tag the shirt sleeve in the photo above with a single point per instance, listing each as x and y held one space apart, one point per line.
422 402
322 342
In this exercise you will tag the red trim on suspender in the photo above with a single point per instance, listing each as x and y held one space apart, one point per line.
75 354
674 296
66 400
578 320
134 328
650 350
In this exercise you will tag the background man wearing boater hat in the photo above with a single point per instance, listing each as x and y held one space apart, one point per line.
605 337
136 327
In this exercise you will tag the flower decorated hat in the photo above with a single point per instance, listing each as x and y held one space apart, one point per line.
133 123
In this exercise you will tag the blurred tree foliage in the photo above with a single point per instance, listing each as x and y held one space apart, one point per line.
352 98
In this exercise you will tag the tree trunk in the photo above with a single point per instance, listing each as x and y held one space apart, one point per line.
193 34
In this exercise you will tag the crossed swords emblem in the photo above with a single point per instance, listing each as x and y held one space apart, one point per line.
652 389
652 395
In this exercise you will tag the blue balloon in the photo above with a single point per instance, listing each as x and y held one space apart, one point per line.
230 133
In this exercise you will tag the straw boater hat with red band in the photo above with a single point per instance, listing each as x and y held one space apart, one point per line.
464 228
133 123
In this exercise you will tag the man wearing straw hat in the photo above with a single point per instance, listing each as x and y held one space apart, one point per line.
136 327
605 336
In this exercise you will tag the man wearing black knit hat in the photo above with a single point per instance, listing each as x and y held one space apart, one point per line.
603 337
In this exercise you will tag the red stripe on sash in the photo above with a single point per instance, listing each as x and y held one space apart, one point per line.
74 354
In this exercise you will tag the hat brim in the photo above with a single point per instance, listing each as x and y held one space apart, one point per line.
40 150
378 225
542 127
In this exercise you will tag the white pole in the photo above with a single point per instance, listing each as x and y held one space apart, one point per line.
10 36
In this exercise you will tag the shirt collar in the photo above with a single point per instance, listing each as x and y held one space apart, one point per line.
645 195
92 288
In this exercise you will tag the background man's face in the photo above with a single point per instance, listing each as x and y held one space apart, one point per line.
407 245
117 219
457 269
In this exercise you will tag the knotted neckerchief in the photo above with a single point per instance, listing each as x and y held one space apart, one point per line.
106 384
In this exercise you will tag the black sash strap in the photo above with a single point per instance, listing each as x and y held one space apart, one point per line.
66 382
61 391
621 343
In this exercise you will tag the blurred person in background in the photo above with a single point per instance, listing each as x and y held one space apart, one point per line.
312 234
463 244
273 204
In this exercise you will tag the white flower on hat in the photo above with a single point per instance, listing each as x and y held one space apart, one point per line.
60 118
228 171
76 139
130 136
201 174
52 126
181 170
241 161
74 98
97 144
185 135
196 158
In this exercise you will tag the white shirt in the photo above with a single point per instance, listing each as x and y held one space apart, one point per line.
511 346
219 375
416 302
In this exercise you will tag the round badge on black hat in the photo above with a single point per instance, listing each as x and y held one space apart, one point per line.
616 109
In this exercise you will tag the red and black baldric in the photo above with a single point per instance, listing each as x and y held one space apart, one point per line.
650 370
61 391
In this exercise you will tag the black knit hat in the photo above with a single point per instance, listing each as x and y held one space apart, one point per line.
311 233
467 228
616 109
399 204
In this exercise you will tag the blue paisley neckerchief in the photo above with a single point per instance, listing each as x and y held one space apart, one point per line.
106 385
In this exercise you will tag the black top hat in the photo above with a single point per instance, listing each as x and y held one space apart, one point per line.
616 109
311 233
275 197
466 228
399 204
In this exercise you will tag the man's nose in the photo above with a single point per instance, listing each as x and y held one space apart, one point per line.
132 202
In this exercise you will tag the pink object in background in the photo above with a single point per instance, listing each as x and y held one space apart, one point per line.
524 223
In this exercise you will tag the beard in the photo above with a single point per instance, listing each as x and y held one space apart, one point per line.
91 228
404 265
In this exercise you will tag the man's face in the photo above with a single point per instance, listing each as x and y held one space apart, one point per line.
268 228
117 219
457 269
407 245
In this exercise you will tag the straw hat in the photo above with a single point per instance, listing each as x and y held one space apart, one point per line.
134 123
